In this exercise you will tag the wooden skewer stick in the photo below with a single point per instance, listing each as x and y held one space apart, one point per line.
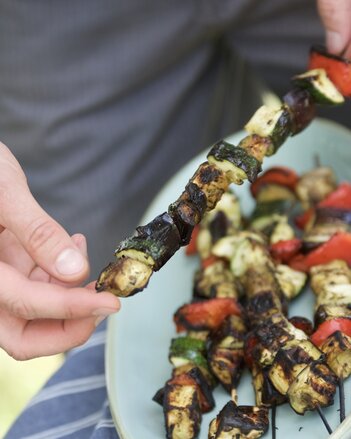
342 399
234 395
273 417
317 161
324 419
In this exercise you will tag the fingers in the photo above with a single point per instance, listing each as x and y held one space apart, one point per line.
336 17
38 274
43 238
37 338
37 300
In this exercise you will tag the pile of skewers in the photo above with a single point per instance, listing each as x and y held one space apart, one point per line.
238 314
248 276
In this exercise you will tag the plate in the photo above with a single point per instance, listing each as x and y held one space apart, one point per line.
139 336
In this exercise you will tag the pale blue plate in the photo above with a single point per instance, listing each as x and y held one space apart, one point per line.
139 336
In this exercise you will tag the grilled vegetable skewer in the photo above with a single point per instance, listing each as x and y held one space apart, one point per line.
154 244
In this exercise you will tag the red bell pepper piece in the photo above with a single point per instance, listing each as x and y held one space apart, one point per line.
205 315
338 247
302 323
191 248
338 68
328 328
340 198
251 341
283 251
302 220
279 175
207 262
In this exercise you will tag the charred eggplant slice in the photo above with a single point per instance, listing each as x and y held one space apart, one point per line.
246 421
153 244
188 211
302 108
266 394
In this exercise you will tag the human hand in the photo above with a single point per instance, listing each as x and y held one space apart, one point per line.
336 17
42 309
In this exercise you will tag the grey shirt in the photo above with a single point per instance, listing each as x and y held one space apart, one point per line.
102 101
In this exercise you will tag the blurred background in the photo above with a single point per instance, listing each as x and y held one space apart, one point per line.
19 381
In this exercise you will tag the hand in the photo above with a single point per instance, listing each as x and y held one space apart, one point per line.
336 17
42 309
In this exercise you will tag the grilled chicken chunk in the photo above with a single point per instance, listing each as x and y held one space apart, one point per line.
262 306
182 411
273 334
291 281
246 421
124 277
216 280
314 386
315 185
225 352
212 181
323 276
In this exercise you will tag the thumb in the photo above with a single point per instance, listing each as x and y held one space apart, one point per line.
44 239
336 17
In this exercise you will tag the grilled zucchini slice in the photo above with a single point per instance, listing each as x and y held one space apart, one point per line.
289 362
257 146
234 161
320 86
274 123
244 421
290 281
314 386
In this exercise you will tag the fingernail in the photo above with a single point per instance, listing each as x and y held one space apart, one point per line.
334 42
104 312
70 262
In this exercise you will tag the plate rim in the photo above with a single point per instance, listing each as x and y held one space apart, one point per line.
112 321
